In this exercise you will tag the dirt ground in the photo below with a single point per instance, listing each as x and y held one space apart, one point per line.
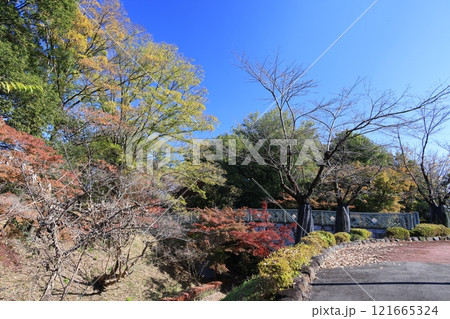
19 273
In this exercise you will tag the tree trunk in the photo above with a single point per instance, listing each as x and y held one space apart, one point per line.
342 219
305 222
438 214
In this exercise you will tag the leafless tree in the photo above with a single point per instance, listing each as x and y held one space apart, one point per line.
336 120
428 166
105 210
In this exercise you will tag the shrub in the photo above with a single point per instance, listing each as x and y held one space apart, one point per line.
355 237
281 267
361 232
276 270
251 290
227 240
430 230
342 237
322 238
397 232
298 256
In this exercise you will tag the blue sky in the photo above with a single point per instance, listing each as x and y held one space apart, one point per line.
396 44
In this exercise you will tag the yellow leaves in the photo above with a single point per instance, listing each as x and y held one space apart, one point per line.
82 24
175 96
90 63
391 185
110 87
81 34
109 107
150 85
391 180
150 58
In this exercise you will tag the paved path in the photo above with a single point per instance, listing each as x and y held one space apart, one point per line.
416 271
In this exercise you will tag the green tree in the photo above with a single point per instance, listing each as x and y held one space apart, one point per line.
355 165
131 95
29 33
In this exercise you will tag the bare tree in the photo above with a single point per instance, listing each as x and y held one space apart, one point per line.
337 120
101 209
428 167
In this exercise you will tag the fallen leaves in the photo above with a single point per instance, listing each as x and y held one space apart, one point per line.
359 255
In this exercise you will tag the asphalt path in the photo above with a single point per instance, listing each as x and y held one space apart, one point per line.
403 279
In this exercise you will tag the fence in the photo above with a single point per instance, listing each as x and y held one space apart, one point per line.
328 218
357 219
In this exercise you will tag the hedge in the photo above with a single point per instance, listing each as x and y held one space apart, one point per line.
342 237
397 232
281 267
278 270
321 238
359 234
430 230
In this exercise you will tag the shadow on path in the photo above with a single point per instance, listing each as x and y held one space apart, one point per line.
384 283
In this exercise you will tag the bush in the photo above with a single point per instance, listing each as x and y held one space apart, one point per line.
397 232
342 237
281 267
361 232
322 238
18 227
251 290
430 230
298 256
355 237
276 270
227 240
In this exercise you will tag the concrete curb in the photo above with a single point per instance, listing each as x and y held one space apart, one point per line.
301 288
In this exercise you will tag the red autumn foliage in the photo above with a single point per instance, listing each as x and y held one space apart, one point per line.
99 121
26 148
23 155
262 236
225 231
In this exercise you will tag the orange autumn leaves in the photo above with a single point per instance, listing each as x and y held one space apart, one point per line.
26 159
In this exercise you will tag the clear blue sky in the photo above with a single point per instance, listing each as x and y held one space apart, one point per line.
396 44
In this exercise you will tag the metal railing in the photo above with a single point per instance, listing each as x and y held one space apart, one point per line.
357 219
369 220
